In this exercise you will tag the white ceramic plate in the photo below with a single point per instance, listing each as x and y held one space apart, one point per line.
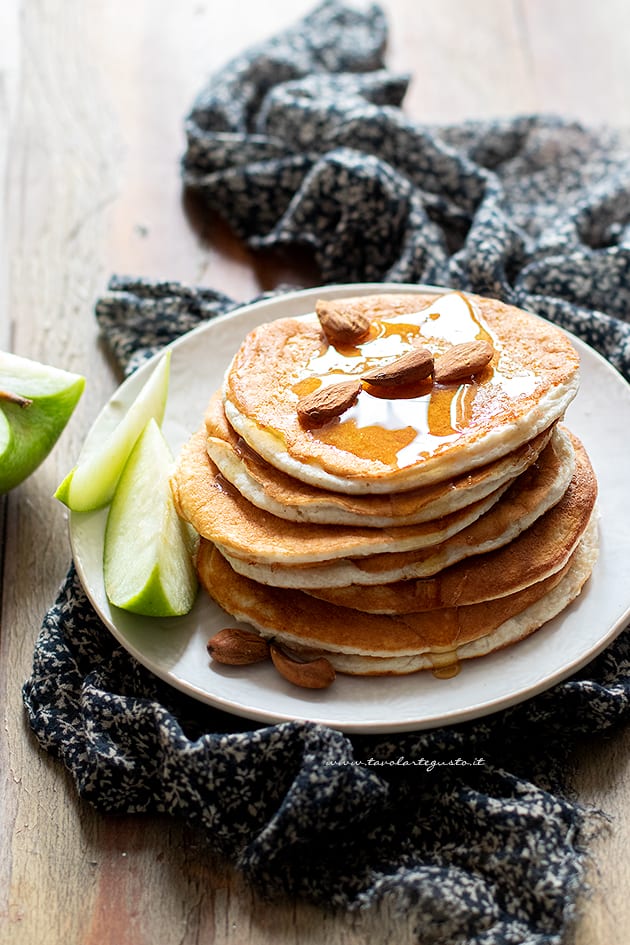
175 649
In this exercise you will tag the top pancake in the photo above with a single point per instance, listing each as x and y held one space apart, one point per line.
403 439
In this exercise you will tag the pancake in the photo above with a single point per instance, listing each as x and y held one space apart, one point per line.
445 663
274 491
536 491
538 552
381 644
219 513
396 440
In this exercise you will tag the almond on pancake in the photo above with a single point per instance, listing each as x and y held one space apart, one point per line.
535 491
391 643
538 552
276 492
218 512
400 439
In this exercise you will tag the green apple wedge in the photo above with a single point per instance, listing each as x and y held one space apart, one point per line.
148 550
36 402
92 482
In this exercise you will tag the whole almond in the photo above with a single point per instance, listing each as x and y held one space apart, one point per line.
327 402
462 361
342 323
236 647
310 674
415 365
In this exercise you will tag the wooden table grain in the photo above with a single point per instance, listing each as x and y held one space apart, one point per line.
92 96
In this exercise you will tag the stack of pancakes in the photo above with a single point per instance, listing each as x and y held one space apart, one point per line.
429 520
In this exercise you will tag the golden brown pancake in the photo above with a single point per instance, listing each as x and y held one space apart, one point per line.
403 440
445 663
218 512
310 626
538 552
534 492
276 492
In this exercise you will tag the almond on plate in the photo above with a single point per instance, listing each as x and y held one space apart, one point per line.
309 674
235 647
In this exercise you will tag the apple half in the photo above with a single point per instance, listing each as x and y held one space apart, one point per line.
36 402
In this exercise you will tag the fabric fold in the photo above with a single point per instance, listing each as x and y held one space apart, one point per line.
534 209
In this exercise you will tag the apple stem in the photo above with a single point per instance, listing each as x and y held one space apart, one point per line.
15 398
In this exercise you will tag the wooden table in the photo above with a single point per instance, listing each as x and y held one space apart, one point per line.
92 97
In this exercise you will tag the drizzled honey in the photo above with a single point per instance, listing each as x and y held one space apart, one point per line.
403 425
445 665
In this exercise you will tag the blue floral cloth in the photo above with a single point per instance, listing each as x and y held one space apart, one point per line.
468 832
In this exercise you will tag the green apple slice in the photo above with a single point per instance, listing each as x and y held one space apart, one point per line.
36 402
92 482
148 551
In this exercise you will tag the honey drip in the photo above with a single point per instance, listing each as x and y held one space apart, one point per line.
447 670
400 426
444 661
